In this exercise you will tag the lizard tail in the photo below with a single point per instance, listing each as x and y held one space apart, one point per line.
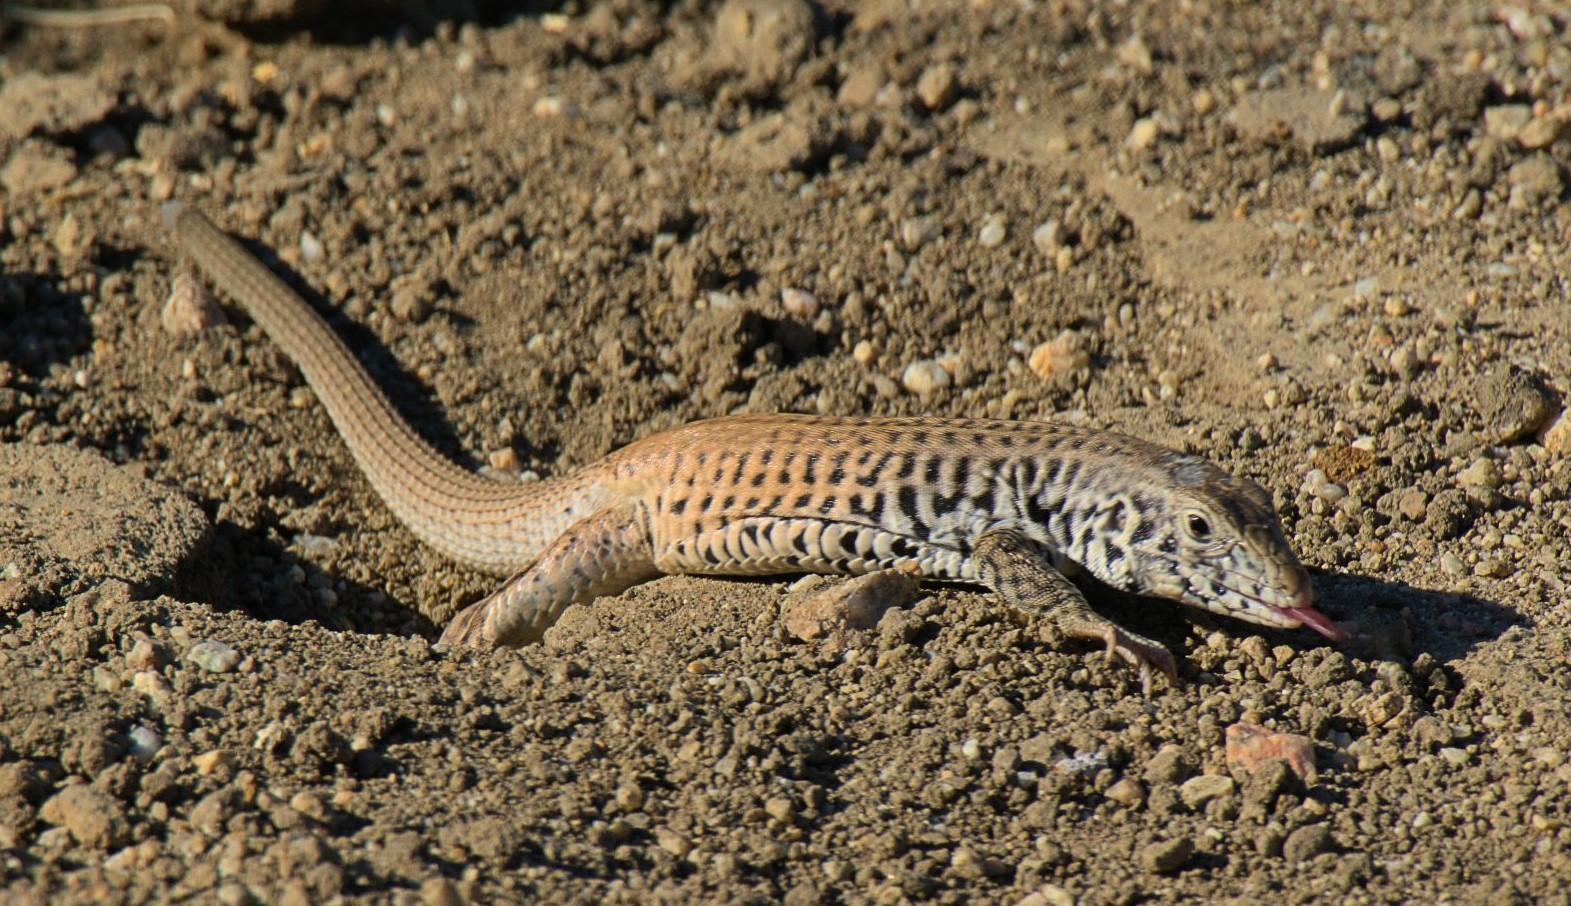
492 525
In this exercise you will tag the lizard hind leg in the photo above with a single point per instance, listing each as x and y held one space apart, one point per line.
1021 572
602 554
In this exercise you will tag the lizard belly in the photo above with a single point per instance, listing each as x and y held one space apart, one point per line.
769 545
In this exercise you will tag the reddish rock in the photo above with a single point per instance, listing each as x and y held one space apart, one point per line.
854 604
1249 746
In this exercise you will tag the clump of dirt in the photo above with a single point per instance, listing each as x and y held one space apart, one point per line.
1320 244
70 519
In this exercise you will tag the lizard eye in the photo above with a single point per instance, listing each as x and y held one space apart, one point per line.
1199 527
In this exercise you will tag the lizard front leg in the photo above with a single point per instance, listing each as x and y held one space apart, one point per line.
1020 571
601 554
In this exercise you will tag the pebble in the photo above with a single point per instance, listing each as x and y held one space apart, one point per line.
1168 855
151 685
21 778
925 376
69 238
213 656
781 809
916 232
857 603
1405 361
1047 895
1126 792
190 309
440 892
1197 791
764 39
673 842
1540 133
145 743
1168 765
1505 121
1306 842
864 352
146 655
1533 180
1143 134
1557 437
310 247
210 763
1413 504
1136 54
1061 357
1386 109
1483 473
937 87
861 87
504 459
28 172
410 306
1316 484
1454 756
799 303
96 820
993 232
1249 746
630 797
1048 237
1513 403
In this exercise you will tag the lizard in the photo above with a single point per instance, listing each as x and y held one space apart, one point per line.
1012 506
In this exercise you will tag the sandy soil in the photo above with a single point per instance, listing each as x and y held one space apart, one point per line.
1324 244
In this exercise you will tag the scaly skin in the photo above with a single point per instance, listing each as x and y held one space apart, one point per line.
1006 504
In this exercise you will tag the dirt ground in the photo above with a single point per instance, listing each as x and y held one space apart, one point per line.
1323 243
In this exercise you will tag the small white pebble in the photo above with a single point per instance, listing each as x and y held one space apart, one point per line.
1143 134
552 106
213 656
925 376
310 247
145 743
799 303
1048 237
993 232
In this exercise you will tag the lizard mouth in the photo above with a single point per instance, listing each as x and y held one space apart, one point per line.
1303 615
1314 619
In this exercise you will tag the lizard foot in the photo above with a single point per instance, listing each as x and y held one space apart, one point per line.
1139 652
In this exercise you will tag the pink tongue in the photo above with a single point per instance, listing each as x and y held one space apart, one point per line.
1317 621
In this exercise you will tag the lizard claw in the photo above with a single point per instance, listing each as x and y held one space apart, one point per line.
1140 653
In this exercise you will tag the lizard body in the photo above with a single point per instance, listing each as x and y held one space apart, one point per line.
1006 504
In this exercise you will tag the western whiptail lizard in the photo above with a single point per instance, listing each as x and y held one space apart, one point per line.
1005 504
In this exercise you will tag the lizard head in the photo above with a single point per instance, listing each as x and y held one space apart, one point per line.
1215 542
